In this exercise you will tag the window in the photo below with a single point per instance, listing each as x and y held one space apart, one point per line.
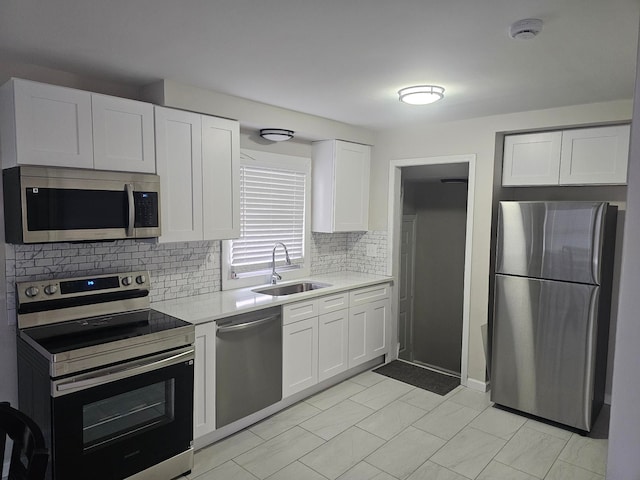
274 207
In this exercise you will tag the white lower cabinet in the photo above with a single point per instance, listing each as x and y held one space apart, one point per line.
328 335
299 356
321 338
333 331
314 341
368 320
204 388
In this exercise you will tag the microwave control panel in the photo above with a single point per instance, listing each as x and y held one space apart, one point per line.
146 206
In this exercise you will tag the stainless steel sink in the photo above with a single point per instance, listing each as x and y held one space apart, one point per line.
291 288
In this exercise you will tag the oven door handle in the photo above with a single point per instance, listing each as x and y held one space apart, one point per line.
82 382
132 209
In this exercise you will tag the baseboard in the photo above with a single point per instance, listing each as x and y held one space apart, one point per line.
477 385
607 398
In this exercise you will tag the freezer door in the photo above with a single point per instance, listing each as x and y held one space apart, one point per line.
543 356
551 240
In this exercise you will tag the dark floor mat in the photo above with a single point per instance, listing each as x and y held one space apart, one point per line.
419 377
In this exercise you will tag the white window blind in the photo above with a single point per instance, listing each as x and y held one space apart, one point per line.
272 210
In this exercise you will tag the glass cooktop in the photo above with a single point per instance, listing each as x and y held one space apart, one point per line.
88 332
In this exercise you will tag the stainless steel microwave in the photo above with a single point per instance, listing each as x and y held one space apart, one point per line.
50 204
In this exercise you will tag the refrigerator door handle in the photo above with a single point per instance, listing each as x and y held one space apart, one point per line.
596 251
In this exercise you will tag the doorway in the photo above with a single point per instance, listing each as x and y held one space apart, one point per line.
432 254
405 227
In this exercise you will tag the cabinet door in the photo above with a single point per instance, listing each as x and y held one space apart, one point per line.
221 178
52 126
179 164
333 332
376 329
299 356
351 194
123 135
368 331
357 335
531 159
204 394
595 155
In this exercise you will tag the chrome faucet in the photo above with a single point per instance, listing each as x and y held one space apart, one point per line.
274 275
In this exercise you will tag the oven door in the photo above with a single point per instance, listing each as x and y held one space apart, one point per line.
123 419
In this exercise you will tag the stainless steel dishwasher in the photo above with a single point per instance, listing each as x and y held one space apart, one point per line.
248 364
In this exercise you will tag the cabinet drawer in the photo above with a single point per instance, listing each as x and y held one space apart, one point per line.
333 303
369 294
299 311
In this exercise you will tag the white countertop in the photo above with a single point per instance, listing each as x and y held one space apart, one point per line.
212 306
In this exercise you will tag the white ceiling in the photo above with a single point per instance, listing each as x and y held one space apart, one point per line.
343 60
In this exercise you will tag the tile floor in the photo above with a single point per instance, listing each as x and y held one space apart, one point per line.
372 427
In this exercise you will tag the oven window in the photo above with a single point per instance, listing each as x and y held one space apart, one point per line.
128 413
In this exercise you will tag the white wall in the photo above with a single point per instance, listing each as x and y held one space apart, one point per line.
474 136
624 428
252 114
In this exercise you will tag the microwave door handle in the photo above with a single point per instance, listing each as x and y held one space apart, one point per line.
132 209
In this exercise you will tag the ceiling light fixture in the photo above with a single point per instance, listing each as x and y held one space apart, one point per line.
276 134
421 94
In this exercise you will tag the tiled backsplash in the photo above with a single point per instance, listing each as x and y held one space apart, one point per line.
367 252
176 269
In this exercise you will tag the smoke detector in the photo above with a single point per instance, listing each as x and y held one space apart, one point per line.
525 29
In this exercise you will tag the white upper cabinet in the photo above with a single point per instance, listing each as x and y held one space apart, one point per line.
45 125
198 163
63 127
585 156
595 155
123 135
179 165
532 159
221 178
340 186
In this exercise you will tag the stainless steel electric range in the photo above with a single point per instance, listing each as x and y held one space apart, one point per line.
109 380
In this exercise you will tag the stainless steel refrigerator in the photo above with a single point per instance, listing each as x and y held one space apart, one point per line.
552 300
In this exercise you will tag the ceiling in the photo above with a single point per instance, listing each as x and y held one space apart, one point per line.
341 60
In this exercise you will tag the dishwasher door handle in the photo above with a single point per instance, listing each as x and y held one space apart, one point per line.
244 326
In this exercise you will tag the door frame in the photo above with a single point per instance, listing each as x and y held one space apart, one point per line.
393 246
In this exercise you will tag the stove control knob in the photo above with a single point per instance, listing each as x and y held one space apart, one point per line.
140 279
32 291
126 281
50 289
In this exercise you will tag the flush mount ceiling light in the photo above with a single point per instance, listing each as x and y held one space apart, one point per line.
276 134
421 94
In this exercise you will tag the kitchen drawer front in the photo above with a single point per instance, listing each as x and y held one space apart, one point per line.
294 312
369 294
333 303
